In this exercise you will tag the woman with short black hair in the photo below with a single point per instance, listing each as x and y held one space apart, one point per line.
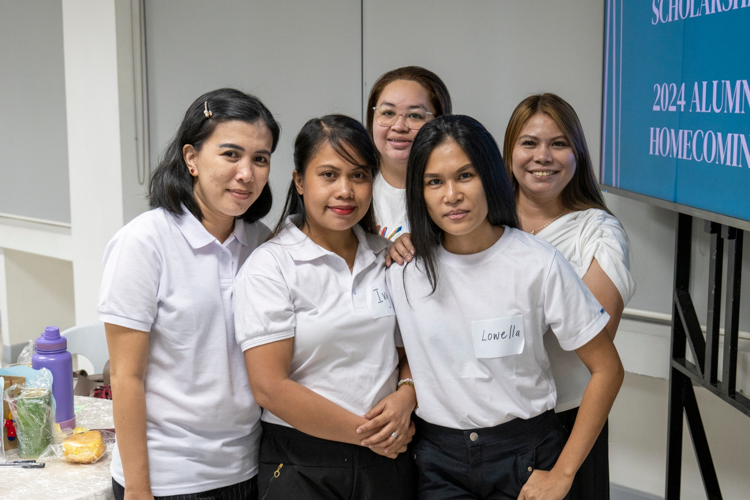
186 420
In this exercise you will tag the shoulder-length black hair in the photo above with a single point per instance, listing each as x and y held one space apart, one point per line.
350 140
482 150
171 185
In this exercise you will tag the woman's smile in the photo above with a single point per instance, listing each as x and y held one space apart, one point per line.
400 143
343 209
240 194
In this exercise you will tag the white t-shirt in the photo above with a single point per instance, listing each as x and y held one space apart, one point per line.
518 276
580 237
170 277
390 209
343 324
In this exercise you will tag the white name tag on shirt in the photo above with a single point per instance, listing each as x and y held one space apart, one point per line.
380 301
499 337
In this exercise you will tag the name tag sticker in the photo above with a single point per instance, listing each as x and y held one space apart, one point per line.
499 337
380 301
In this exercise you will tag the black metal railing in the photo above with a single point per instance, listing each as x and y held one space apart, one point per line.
703 372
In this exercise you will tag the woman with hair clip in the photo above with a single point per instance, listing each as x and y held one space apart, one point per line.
559 201
473 306
400 103
319 334
187 424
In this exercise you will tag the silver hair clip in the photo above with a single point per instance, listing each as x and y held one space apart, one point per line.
206 111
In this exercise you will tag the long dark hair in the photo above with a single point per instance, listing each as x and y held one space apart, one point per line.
582 192
350 141
482 150
171 186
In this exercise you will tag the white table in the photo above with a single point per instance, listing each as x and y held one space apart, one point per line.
60 480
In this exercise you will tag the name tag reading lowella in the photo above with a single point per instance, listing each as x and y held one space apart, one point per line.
499 337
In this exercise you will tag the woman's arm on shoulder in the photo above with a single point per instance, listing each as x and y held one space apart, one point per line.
600 357
606 293
128 354
268 369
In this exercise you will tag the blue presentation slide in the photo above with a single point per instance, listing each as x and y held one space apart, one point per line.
676 102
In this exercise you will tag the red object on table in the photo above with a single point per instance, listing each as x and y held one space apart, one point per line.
11 428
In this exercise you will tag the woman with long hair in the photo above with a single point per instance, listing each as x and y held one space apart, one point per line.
319 334
559 201
473 307
186 421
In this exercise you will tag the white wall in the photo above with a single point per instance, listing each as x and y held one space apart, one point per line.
99 106
34 163
493 54
305 59
301 58
638 441
41 285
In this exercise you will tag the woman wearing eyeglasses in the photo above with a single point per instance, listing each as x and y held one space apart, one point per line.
400 102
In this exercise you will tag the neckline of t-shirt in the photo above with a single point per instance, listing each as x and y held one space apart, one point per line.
466 260
389 190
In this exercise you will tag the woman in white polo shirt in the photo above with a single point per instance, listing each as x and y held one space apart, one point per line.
473 306
315 322
186 420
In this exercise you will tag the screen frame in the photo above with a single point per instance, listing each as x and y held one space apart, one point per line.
659 202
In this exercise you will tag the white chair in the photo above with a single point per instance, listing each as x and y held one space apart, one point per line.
89 341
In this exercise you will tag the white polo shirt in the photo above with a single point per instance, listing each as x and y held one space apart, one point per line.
504 297
343 323
170 277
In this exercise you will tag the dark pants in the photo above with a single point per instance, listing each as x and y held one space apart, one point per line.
246 490
295 465
491 463
592 479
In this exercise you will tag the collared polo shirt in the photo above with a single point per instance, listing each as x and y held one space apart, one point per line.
170 277
342 322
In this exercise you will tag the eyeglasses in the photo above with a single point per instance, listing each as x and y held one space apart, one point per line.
387 117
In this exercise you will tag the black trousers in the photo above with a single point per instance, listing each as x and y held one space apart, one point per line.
246 490
295 465
488 464
592 479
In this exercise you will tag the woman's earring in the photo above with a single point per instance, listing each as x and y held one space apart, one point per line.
191 171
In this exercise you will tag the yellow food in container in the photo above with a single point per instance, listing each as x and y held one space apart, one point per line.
84 448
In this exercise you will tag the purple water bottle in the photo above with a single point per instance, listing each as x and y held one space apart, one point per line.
52 354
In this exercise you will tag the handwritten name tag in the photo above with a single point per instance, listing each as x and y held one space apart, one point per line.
499 337
380 301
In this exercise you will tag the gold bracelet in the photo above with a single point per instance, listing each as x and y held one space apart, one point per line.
410 383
